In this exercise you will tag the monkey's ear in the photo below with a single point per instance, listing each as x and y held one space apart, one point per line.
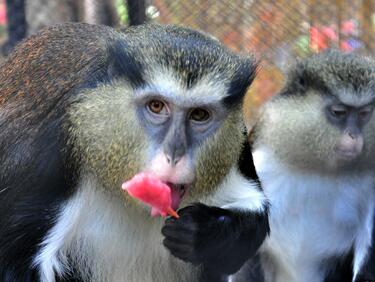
122 64
301 81
241 81
246 162
299 76
297 81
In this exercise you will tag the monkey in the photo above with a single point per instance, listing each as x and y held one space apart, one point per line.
313 149
84 108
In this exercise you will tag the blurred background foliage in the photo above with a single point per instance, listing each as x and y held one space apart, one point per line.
278 32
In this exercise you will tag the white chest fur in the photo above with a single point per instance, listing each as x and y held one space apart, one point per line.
312 218
113 242
109 242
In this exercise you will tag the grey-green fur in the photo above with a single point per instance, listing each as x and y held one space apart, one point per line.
175 48
333 71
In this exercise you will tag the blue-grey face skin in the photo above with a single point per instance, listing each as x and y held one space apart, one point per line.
347 116
177 125
350 120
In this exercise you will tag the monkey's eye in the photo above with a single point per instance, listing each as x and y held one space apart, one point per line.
199 115
365 112
338 112
157 107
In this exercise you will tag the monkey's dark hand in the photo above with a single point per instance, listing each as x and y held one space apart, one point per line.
220 239
366 276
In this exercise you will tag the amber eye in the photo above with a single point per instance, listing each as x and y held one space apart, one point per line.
338 112
157 107
365 112
199 115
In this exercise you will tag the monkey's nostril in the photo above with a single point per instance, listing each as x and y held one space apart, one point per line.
168 159
172 160
176 160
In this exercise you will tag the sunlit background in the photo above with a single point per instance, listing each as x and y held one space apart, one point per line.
278 32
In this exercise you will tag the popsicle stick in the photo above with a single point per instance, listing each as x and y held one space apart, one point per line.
173 213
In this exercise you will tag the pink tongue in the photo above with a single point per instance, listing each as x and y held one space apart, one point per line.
176 198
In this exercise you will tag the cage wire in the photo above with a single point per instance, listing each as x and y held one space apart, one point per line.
277 31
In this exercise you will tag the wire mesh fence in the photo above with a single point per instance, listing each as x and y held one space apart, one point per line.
277 31
268 25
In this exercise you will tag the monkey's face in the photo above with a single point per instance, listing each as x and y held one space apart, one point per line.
323 117
193 138
187 140
172 109
321 132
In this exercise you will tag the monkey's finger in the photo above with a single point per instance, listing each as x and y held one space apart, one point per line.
170 220
177 247
178 234
188 223
182 223
182 251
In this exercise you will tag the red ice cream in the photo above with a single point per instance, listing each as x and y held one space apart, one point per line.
153 192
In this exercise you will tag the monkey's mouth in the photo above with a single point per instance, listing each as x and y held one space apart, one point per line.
178 191
347 155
